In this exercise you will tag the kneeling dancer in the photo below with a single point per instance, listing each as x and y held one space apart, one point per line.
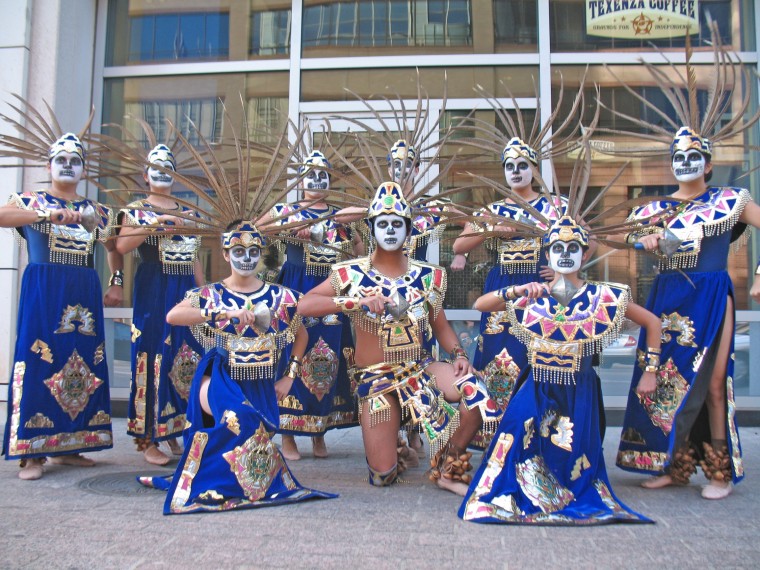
395 304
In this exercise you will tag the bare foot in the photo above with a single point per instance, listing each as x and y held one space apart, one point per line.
318 447
415 442
75 460
658 482
155 456
175 446
31 470
456 487
717 490
289 448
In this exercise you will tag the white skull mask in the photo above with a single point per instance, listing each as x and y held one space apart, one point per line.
66 167
688 165
565 257
316 180
518 173
160 178
389 231
244 259
403 170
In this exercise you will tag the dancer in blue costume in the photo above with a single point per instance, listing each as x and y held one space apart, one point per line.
230 460
545 464
692 414
517 260
58 396
321 397
396 305
163 357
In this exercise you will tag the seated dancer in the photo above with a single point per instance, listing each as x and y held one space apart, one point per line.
545 464
321 397
230 460
395 304
58 398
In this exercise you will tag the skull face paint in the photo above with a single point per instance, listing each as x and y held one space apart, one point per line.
565 257
244 260
518 173
160 178
389 231
688 165
403 170
316 180
66 167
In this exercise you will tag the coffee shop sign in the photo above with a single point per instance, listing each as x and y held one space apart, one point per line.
641 19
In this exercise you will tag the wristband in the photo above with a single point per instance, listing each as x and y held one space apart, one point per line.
650 368
459 352
347 304
42 215
294 368
117 277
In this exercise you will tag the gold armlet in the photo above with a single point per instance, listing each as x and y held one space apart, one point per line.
347 304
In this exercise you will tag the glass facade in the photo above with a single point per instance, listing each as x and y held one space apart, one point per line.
307 58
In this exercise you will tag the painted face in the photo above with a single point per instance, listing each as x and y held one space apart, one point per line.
158 178
688 165
316 180
565 257
401 169
390 231
66 167
518 172
244 259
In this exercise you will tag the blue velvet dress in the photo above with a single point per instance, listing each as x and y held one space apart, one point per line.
545 464
693 304
500 356
230 461
164 357
321 399
58 396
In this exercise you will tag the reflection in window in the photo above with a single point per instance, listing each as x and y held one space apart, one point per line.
205 116
388 23
270 32
515 22
179 36
267 117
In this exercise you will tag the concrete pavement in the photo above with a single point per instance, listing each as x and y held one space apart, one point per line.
101 518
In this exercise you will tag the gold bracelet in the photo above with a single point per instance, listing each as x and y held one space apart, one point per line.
347 304
294 368
459 352
651 368
510 293
42 215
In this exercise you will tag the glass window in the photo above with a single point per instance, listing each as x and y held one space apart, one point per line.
193 36
270 32
331 85
734 18
416 27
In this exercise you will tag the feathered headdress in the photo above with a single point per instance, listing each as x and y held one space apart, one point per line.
41 138
694 128
511 138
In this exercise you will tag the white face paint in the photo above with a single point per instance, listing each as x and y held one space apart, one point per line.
316 180
565 257
401 170
158 178
66 167
518 173
244 259
389 231
689 165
